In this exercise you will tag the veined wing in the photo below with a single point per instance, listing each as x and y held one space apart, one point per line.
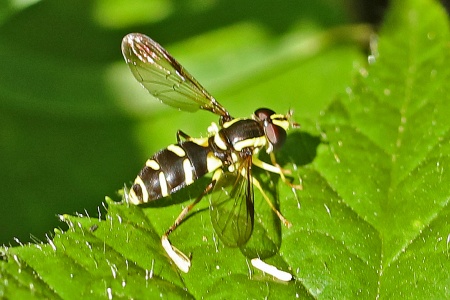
164 77
232 207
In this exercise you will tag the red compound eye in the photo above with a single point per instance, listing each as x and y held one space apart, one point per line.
274 133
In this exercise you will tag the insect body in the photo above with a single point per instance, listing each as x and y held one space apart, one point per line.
181 164
228 152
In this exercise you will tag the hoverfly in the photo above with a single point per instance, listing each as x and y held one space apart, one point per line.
228 152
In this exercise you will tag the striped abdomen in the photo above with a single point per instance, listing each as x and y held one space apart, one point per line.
173 168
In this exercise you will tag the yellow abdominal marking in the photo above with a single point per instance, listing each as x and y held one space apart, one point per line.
177 150
200 141
163 184
133 198
188 176
152 164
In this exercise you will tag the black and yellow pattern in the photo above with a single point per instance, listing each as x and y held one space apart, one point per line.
228 152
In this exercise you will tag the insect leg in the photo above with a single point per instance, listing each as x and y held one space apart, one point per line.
178 257
287 172
280 216
181 134
277 169
271 270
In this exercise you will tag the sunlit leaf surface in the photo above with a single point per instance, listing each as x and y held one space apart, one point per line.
370 223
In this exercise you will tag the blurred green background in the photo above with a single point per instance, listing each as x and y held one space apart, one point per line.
75 125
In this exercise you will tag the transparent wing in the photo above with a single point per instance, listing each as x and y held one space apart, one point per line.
232 210
265 240
164 77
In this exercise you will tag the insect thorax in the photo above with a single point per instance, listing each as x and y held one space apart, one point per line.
239 134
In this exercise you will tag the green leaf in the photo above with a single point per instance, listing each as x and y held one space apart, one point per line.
371 220
94 259
385 165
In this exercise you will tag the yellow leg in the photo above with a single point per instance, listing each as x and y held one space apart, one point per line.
271 270
277 169
280 216
179 258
